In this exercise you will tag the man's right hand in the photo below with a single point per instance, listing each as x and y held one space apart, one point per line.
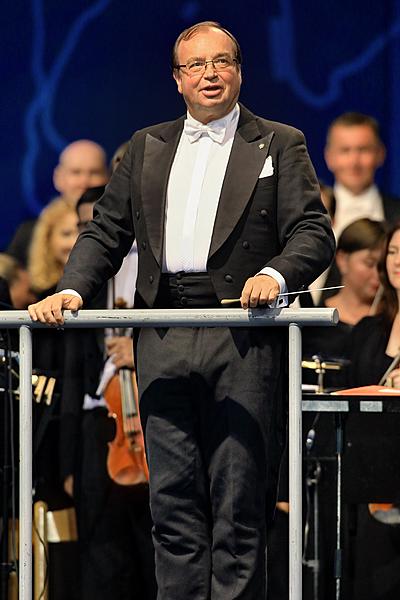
50 310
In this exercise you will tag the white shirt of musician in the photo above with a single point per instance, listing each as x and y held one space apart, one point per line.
350 207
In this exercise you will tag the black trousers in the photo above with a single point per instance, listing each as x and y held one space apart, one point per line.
213 418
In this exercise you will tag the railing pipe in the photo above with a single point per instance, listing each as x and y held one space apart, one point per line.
288 317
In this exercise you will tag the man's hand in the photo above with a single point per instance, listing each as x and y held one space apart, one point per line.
50 310
120 348
259 290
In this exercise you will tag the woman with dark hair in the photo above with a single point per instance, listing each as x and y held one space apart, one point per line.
380 333
375 343
358 253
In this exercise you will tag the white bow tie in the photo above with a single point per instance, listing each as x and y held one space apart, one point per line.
194 131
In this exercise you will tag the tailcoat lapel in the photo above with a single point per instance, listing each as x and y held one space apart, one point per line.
249 151
158 156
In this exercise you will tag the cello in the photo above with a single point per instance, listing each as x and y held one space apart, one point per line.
126 461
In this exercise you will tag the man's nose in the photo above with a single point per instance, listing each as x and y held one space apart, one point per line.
209 70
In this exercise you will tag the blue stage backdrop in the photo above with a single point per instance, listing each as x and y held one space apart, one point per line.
99 69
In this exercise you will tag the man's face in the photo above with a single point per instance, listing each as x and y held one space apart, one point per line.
353 155
209 95
82 166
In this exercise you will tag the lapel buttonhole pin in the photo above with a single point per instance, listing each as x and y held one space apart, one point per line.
261 146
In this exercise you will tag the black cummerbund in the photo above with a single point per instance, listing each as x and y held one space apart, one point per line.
186 290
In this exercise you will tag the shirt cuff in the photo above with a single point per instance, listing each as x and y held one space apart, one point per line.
72 292
281 301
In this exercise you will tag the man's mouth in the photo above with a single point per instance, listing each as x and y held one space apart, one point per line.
211 90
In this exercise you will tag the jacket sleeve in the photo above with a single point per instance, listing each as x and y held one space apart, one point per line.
304 229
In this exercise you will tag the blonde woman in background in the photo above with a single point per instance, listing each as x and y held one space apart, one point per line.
54 235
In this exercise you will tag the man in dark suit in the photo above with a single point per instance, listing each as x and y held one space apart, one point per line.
223 204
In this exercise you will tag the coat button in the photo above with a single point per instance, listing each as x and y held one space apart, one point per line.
144 245
137 214
264 213
178 276
181 288
184 300
246 245
151 278
228 278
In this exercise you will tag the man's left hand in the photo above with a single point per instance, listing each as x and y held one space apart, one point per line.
259 290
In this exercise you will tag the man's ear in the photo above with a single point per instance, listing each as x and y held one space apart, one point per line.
178 79
381 154
57 178
328 158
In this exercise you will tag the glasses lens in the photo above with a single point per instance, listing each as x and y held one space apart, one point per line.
222 63
219 64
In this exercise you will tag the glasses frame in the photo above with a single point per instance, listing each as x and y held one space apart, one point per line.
204 67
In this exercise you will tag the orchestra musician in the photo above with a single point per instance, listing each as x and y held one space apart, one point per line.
359 250
375 344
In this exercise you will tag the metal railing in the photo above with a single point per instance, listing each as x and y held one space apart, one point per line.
294 319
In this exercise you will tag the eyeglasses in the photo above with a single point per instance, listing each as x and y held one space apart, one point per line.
197 66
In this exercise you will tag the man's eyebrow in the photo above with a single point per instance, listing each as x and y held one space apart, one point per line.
219 55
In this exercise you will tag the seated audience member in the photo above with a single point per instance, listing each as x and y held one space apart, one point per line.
353 153
375 344
114 523
17 282
81 165
358 252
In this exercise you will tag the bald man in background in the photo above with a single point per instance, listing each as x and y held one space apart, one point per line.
81 165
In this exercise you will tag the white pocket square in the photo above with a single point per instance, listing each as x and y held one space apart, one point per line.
267 169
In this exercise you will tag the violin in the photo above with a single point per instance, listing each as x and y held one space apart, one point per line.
126 461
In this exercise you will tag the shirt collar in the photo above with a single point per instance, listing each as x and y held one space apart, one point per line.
229 121
340 191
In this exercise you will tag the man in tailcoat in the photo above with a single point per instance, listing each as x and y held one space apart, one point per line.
223 204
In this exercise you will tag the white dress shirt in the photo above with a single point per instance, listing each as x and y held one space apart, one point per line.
350 207
193 192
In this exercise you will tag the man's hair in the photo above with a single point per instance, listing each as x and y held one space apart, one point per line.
91 196
191 31
351 119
